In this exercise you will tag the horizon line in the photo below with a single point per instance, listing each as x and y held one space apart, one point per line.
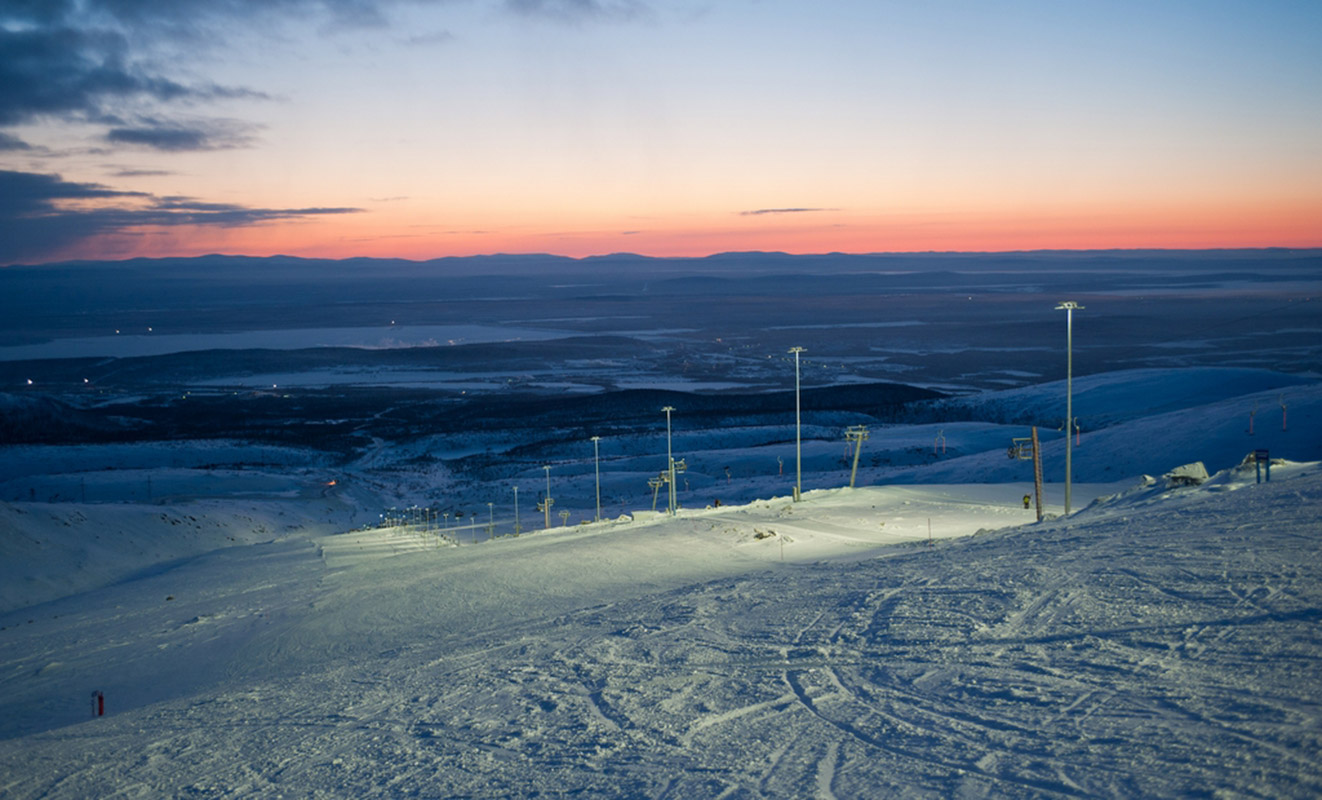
718 254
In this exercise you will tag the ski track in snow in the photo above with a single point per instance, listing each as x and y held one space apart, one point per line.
1157 644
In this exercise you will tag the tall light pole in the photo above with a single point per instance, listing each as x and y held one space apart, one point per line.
670 464
798 439
516 511
1069 307
546 504
596 464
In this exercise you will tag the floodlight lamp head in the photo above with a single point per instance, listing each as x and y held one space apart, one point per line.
1068 305
795 350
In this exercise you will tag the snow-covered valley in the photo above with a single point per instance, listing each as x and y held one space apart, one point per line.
213 562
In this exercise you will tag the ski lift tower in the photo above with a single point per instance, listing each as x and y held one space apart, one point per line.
855 434
1027 448
655 485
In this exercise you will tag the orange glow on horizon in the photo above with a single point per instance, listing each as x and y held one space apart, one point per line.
369 235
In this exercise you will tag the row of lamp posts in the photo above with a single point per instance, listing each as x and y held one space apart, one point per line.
1069 307
672 502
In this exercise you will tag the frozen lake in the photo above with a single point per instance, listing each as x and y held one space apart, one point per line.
123 344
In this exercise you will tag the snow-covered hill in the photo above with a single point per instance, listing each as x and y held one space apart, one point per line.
53 551
921 636
1162 643
1159 418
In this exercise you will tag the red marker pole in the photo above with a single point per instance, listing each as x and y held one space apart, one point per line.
98 704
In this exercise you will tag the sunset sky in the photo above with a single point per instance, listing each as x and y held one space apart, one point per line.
420 129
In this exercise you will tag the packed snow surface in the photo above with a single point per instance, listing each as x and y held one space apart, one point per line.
1162 642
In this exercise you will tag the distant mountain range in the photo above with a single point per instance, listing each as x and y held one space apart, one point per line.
719 263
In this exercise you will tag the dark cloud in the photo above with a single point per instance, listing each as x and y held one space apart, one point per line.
188 211
429 39
580 10
43 215
759 211
174 137
101 61
64 72
115 63
183 17
142 173
38 11
24 191
8 142
190 19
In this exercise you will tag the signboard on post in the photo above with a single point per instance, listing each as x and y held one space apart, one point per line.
1261 457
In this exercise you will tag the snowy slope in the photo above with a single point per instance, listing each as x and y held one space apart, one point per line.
1106 398
52 551
1213 427
1159 643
